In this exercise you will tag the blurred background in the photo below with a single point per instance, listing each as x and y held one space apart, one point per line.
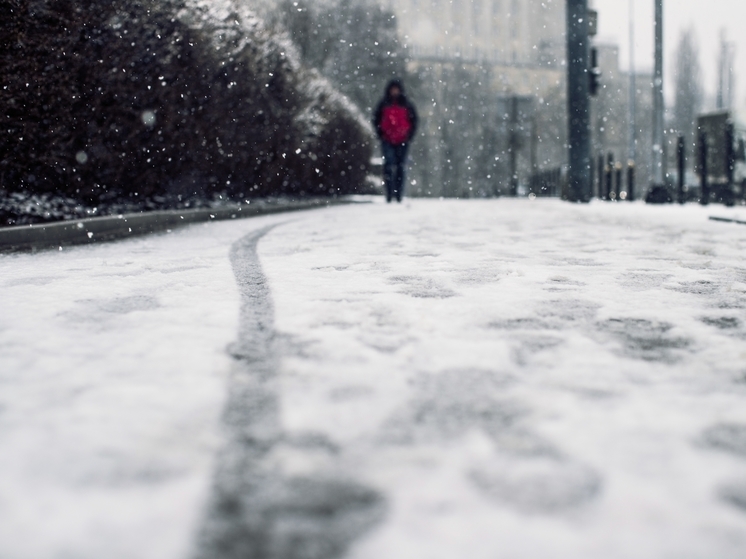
144 104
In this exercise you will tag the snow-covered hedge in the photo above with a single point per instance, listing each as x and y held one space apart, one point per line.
106 99
353 43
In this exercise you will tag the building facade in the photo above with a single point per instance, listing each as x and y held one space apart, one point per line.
506 32
471 59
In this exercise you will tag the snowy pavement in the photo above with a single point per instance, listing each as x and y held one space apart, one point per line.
113 372
434 380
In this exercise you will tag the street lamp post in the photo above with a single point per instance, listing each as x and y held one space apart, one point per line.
578 99
658 107
632 148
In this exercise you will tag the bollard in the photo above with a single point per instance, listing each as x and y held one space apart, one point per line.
682 168
704 197
730 163
593 179
609 176
631 180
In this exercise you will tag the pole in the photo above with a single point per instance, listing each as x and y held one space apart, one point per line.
729 195
578 100
632 86
658 108
534 146
618 188
730 154
682 168
609 176
514 146
704 197
631 181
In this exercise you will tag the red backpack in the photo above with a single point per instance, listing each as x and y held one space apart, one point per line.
395 124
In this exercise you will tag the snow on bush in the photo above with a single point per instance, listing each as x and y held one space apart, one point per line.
353 43
135 99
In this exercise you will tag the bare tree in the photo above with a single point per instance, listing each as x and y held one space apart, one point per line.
688 86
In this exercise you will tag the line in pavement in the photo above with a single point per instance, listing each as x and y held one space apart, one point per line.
256 510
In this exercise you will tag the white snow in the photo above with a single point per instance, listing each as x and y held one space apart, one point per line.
112 381
521 379
516 379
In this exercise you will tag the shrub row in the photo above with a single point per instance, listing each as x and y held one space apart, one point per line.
110 99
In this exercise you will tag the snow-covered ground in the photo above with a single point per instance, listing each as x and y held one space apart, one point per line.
439 379
113 368
521 379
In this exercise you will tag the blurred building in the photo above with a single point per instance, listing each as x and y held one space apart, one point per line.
475 61
474 58
502 31
522 39
610 120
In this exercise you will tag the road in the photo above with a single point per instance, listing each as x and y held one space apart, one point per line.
442 378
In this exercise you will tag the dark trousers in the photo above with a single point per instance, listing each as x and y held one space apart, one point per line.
394 162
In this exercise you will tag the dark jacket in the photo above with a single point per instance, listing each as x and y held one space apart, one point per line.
401 100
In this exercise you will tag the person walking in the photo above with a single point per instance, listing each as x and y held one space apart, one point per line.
395 122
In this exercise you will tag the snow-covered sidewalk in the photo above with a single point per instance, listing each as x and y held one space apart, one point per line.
508 378
113 368
520 379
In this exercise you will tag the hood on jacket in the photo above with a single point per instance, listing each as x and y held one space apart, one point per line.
396 82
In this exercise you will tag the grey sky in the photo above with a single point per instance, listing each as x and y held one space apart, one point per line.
707 17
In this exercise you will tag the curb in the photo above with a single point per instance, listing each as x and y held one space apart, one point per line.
727 220
98 229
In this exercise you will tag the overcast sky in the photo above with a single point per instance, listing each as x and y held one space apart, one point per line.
707 17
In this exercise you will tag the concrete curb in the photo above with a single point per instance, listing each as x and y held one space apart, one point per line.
84 231
727 220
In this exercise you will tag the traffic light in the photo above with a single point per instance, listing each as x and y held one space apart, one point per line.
594 74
